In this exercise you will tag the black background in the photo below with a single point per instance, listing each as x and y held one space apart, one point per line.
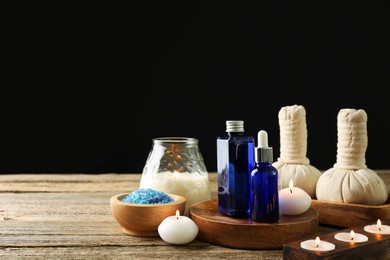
86 88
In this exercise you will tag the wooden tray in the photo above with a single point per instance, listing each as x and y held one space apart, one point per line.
377 247
348 214
218 229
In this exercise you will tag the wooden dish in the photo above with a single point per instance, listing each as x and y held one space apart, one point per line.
348 214
143 219
218 229
376 247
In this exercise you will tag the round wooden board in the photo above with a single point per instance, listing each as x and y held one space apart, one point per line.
221 230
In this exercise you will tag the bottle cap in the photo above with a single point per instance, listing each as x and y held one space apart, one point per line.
235 126
263 153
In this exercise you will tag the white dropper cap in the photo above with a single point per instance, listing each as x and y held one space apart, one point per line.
263 153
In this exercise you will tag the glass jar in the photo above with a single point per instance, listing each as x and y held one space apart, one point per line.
175 165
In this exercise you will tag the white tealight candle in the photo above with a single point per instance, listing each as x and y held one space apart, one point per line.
192 186
378 228
293 200
178 229
317 245
351 237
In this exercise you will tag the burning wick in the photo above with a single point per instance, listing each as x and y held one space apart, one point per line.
291 185
317 242
352 235
176 174
379 224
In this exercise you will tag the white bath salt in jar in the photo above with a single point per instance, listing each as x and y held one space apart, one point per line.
175 165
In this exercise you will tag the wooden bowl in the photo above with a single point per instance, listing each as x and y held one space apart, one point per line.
143 219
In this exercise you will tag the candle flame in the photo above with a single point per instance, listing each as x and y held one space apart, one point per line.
177 214
291 185
318 241
176 174
379 224
352 235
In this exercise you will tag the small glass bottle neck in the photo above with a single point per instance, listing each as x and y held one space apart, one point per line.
267 164
235 133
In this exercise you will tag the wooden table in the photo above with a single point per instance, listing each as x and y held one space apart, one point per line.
68 216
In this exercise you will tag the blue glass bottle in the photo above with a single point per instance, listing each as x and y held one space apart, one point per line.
264 199
235 161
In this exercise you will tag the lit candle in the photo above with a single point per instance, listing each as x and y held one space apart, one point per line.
351 237
178 229
378 228
317 245
293 200
192 186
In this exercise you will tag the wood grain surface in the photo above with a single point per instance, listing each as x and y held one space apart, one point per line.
68 216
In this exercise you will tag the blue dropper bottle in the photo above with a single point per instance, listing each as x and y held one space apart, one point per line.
264 199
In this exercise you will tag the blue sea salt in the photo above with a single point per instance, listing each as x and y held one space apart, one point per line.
147 196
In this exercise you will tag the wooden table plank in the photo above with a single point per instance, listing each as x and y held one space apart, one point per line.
68 216
138 252
94 183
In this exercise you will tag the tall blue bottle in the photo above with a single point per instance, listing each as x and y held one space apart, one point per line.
264 183
235 161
